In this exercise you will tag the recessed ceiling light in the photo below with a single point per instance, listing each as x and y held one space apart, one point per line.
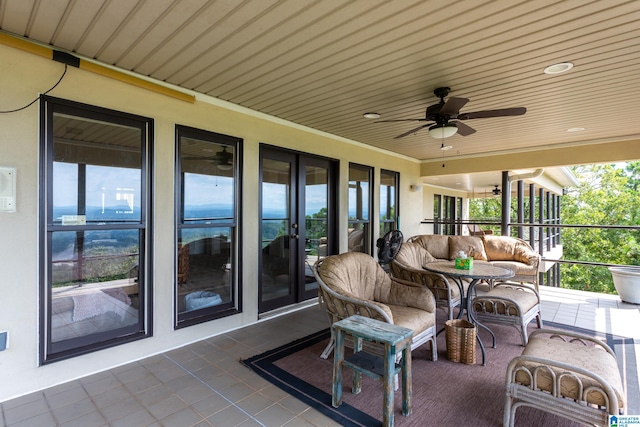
575 129
446 147
558 68
371 115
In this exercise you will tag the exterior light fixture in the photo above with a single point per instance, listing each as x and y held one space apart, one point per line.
575 129
445 130
562 67
371 115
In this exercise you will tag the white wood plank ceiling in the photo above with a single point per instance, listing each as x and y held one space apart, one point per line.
324 63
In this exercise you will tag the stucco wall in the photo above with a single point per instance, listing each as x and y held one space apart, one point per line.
22 77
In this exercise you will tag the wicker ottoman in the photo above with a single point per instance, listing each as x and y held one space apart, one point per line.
568 374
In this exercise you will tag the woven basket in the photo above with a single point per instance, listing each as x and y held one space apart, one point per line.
461 341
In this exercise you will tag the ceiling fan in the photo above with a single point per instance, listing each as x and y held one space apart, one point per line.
223 159
496 191
444 117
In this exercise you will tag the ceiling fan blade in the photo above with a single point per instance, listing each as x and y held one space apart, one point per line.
453 106
518 111
411 131
200 158
401 120
463 129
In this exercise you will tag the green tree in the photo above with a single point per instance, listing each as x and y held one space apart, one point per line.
606 195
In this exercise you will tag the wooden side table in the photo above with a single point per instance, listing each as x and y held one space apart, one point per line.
395 339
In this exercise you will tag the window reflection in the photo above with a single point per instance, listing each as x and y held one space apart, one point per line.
95 285
388 201
96 230
359 237
205 270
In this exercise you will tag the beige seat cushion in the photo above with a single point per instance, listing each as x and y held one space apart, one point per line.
593 359
526 300
520 269
412 318
468 244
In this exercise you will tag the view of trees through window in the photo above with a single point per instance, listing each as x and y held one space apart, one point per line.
606 200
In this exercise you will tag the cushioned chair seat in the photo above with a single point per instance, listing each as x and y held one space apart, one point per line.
412 318
354 283
511 304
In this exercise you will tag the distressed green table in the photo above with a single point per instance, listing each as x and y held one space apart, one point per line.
395 339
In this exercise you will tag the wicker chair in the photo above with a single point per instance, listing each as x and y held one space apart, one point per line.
509 303
407 265
354 283
568 374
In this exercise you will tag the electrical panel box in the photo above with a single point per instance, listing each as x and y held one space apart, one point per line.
7 189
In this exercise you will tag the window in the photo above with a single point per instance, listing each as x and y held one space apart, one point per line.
95 280
389 209
437 213
447 210
360 187
206 283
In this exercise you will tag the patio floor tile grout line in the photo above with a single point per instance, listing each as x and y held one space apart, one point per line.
215 391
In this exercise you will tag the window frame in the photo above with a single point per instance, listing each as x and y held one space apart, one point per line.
48 351
395 221
365 222
190 318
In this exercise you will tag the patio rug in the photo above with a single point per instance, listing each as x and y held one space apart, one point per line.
444 393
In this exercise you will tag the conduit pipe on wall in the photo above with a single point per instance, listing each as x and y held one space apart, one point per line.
94 67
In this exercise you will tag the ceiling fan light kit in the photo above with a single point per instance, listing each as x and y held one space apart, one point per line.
443 130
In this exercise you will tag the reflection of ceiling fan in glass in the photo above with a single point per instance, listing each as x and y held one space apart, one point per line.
223 159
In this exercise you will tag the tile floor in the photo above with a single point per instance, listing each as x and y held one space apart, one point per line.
203 384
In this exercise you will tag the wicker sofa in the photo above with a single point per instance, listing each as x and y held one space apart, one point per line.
505 251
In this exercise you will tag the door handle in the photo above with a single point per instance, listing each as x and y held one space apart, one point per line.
294 236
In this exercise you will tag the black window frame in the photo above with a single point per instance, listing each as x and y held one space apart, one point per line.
366 223
190 318
48 351
394 222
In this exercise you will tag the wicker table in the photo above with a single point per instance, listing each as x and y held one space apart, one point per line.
479 271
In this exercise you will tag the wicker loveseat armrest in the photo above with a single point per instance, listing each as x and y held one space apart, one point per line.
569 374
437 283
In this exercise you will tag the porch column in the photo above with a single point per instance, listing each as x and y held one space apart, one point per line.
505 217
